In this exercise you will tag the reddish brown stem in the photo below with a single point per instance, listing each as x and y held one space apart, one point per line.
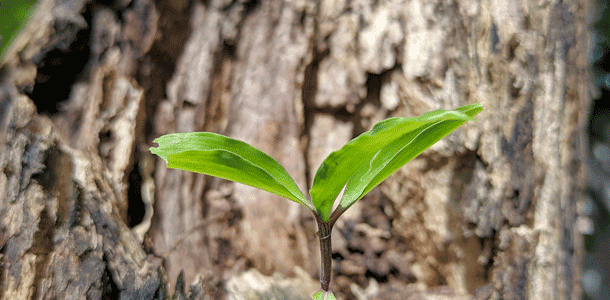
324 230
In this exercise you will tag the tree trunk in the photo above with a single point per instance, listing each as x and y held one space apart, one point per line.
487 213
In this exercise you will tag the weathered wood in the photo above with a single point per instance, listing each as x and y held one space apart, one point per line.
487 213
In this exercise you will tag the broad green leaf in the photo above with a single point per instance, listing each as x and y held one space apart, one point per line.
365 152
217 155
397 153
322 295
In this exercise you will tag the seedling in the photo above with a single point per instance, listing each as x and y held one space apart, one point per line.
358 167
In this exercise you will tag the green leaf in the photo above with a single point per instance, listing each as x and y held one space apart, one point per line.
400 151
323 295
370 158
14 14
217 155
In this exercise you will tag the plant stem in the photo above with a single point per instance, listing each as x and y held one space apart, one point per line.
324 230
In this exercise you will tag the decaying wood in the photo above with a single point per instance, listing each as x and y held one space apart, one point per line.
487 213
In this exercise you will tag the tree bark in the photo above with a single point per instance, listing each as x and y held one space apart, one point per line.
487 213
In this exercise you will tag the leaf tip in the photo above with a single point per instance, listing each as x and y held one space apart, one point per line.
157 151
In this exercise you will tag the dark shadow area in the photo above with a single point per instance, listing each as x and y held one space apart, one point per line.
136 209
596 209
62 64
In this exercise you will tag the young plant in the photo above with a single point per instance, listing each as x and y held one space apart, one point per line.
358 167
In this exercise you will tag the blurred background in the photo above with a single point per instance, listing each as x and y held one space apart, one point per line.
596 265
596 209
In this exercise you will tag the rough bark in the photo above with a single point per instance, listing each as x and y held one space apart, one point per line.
487 213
